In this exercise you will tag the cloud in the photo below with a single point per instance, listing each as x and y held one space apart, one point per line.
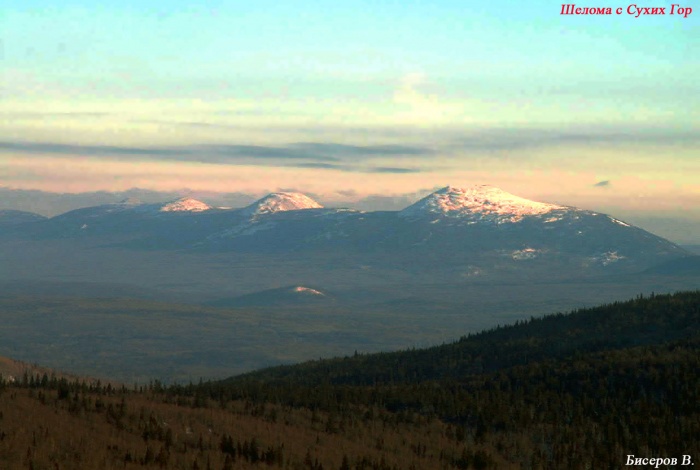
396 170
347 192
227 153
319 165
602 184
220 153
359 151
59 114
354 168
85 150
420 107
321 156
510 139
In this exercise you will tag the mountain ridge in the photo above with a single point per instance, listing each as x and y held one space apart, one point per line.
483 229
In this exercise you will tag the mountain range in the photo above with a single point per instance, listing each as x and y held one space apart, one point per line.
483 230
316 279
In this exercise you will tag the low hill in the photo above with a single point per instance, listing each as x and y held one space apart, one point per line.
287 297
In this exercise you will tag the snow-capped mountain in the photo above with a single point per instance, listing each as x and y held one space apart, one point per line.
478 203
185 204
475 232
281 202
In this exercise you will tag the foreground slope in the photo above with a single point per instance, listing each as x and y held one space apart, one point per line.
576 391
582 390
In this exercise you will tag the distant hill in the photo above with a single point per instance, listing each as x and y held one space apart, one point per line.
12 218
288 297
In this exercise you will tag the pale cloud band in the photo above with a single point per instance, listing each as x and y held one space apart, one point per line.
452 142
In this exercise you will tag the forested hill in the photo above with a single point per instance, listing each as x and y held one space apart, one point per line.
643 321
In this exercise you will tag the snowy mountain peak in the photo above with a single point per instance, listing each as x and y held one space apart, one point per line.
280 202
483 202
185 204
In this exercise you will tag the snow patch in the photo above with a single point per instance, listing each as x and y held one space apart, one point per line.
526 253
608 258
472 271
308 291
619 222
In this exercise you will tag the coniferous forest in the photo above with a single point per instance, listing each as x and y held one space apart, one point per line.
578 390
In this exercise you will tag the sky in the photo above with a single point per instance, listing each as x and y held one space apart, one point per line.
351 100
